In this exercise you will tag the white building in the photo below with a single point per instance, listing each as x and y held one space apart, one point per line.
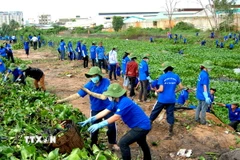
44 19
106 18
6 17
80 22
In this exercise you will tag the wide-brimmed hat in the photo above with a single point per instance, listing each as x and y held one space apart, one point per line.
165 65
132 56
235 103
114 90
12 66
207 64
128 52
22 67
93 71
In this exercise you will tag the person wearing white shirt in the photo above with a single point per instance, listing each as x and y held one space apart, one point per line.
113 62
34 39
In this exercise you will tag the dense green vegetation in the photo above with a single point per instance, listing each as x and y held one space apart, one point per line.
27 112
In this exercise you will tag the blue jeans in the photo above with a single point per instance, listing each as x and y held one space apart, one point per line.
200 114
111 133
112 70
134 135
62 54
158 107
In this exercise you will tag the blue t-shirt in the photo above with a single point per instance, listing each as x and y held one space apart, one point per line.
16 72
143 70
203 79
124 64
131 114
183 96
3 52
93 51
79 48
70 48
97 104
169 81
155 83
84 49
62 46
100 52
2 66
233 116
26 45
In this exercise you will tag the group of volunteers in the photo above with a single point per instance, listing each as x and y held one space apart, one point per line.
21 72
109 102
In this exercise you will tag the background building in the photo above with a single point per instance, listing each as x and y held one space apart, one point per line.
44 19
6 17
106 18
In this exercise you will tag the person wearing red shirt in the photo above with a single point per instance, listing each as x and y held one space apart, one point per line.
132 74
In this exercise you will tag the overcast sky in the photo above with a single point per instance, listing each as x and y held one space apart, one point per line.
86 8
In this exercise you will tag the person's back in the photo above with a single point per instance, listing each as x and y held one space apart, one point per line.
132 69
183 96
169 80
34 73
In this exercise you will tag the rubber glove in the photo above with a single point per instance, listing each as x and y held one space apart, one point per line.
5 79
149 79
18 80
95 127
207 99
89 120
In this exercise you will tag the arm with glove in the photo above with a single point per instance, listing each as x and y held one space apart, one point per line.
96 117
205 94
104 123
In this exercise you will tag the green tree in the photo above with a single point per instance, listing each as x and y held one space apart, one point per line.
221 11
117 23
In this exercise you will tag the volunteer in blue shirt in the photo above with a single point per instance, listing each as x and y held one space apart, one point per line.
231 46
2 67
168 83
100 55
26 47
233 114
3 52
144 79
93 53
131 114
212 35
18 75
9 52
203 42
84 54
70 51
98 84
62 49
212 96
125 60
203 92
183 97
221 45
79 50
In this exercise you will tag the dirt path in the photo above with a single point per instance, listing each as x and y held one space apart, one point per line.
187 135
